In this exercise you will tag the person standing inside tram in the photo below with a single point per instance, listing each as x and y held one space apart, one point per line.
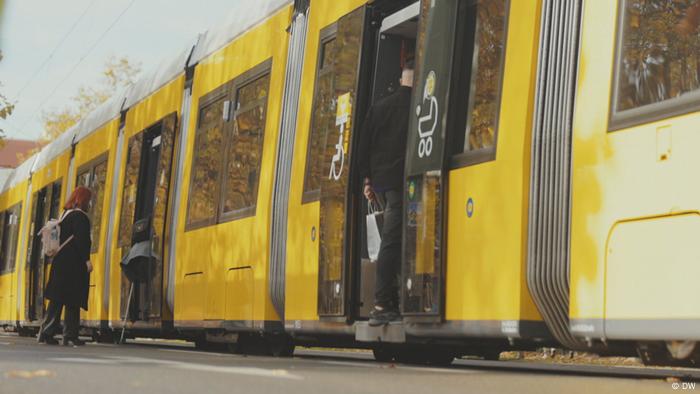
382 153
70 272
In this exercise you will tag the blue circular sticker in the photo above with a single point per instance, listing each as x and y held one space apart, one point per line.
470 207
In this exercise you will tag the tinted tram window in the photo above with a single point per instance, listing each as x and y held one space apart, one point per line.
131 180
658 53
94 177
486 75
322 119
10 237
208 157
245 147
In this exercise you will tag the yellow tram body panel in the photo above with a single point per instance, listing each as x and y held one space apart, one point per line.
12 309
161 103
98 145
301 278
8 280
636 209
223 268
487 252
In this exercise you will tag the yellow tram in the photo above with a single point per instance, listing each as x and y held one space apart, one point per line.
546 189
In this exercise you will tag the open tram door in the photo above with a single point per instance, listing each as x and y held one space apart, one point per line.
351 53
143 221
425 188
45 205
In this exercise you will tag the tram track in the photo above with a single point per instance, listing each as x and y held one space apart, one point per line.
577 369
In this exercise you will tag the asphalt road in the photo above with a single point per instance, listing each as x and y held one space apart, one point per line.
162 367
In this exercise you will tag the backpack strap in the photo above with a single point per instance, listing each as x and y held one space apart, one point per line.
62 245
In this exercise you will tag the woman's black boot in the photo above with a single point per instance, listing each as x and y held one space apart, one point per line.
72 342
47 339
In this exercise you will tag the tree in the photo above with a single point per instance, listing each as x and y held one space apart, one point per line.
6 106
118 73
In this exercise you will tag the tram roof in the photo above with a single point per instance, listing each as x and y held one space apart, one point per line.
56 147
166 71
107 111
20 173
215 39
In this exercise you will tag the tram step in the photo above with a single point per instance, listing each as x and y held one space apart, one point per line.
392 332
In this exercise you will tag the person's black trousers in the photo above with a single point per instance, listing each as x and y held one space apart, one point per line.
386 293
52 321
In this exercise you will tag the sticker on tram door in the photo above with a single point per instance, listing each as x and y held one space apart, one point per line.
428 113
342 117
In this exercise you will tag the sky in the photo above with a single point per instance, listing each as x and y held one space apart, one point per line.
78 34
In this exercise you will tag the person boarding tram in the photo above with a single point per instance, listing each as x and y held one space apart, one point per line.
382 154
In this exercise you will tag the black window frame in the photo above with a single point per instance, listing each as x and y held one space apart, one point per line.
645 114
465 82
227 92
260 71
219 94
90 166
326 35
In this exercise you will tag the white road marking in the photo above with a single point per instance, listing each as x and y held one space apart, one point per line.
83 360
250 371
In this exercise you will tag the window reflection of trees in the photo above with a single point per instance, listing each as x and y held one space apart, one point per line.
660 49
245 147
322 118
131 178
486 74
208 153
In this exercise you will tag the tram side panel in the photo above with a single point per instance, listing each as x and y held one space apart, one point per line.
223 237
143 189
94 162
635 215
487 210
13 220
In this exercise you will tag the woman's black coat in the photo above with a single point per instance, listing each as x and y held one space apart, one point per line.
69 279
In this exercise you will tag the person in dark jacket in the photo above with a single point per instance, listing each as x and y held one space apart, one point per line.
70 272
382 154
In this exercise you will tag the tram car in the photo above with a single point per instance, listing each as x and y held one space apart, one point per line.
546 190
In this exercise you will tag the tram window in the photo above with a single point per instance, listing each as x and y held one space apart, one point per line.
10 237
486 75
3 243
658 63
206 167
129 192
94 176
244 150
323 115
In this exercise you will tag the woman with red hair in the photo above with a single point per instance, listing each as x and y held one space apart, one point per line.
70 272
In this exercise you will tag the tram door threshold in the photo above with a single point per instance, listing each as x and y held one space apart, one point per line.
396 43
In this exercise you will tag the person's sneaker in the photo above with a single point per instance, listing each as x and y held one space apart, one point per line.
381 316
75 342
47 340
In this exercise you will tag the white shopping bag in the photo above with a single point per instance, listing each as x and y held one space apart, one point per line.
375 218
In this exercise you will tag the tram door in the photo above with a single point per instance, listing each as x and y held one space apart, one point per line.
335 112
45 205
146 194
432 137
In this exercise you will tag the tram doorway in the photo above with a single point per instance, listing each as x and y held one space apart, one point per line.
146 197
396 44
45 205
360 60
